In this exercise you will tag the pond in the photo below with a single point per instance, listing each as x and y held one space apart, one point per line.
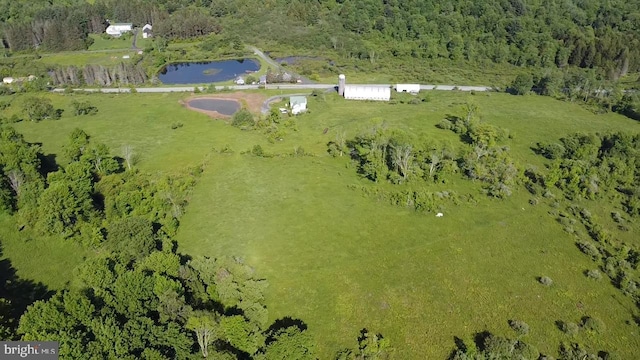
224 107
206 72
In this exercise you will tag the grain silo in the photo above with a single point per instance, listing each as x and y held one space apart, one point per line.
341 84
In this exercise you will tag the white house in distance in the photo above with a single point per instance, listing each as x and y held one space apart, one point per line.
367 92
147 31
409 88
298 104
118 29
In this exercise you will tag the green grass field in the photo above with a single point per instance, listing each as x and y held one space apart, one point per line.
341 261
100 43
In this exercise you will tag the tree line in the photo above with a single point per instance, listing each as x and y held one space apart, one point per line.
541 33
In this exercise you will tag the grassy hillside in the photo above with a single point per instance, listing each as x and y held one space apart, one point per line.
341 261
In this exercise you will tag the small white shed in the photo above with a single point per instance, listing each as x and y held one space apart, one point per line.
298 104
147 31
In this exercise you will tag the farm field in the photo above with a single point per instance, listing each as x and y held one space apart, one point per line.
343 262
340 261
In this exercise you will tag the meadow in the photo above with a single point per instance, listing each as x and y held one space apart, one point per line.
340 261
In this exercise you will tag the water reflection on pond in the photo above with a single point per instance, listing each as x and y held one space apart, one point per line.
206 72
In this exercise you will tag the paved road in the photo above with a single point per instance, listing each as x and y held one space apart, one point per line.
167 89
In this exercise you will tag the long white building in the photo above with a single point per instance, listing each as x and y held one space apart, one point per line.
118 29
367 92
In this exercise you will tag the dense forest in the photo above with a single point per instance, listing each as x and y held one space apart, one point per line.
541 33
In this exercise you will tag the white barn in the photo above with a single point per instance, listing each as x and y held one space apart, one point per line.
118 29
367 92
298 104
410 88
147 31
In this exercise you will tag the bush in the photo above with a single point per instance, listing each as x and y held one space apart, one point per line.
257 151
617 217
83 108
592 324
176 125
594 274
545 280
520 327
570 328
589 249
38 109
522 84
242 118
10 120
445 124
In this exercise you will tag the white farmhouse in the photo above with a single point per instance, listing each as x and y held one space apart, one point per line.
147 31
298 104
118 29
367 92
409 88
8 80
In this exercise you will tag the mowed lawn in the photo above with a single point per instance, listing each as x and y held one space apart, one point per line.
341 261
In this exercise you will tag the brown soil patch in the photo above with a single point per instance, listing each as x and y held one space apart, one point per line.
251 101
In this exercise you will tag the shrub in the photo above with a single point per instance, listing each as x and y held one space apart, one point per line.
83 108
445 124
226 150
520 327
594 274
176 125
522 84
40 108
550 151
545 280
570 328
10 120
257 151
589 249
617 217
592 324
243 118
